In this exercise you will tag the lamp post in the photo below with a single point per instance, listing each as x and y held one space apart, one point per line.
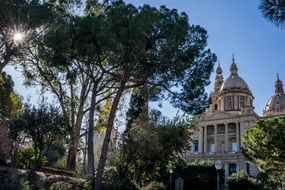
170 180
218 166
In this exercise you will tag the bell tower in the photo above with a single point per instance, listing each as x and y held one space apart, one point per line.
219 78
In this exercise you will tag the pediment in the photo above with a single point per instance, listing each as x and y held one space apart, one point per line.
217 115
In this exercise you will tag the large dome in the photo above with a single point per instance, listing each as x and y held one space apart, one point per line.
276 104
234 81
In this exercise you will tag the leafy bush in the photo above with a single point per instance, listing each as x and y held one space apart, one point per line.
2 160
26 157
24 184
120 177
61 185
240 180
16 185
271 180
54 153
200 175
154 186
61 163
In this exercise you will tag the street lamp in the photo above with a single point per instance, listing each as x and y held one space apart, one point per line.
218 166
170 185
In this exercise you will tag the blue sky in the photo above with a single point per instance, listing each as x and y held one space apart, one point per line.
234 26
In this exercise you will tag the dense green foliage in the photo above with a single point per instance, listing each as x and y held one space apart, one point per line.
61 185
26 158
274 11
10 102
54 153
264 145
200 175
43 125
154 186
138 105
22 184
149 152
240 180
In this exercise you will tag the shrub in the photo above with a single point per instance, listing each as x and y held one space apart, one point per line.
200 175
26 157
61 163
271 180
61 185
54 153
16 185
154 186
240 180
2 160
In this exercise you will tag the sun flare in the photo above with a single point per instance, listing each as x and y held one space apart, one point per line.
18 37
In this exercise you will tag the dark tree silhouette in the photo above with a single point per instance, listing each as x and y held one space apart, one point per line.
274 11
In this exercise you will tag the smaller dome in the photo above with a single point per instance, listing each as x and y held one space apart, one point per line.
276 104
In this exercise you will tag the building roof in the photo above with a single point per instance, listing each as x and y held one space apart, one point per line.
234 81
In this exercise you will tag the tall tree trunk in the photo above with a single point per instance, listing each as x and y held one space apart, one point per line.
90 150
84 151
105 147
74 141
71 158
73 145
75 135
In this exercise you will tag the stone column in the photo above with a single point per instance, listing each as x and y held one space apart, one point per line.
237 136
243 127
205 139
226 138
235 102
216 137
200 143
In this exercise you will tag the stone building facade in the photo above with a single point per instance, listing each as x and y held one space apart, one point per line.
229 114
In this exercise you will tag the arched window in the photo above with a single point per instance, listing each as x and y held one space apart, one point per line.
216 107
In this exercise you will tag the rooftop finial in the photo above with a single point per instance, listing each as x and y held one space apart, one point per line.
278 76
233 58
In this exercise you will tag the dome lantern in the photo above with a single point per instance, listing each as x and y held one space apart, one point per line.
233 68
278 85
219 70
